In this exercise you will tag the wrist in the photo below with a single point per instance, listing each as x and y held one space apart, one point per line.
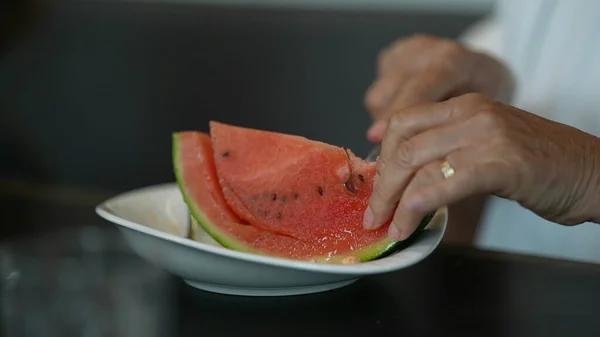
592 197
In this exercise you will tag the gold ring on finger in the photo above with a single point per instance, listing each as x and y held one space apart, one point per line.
447 169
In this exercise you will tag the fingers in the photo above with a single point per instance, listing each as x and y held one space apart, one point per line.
479 178
430 190
437 142
392 93
390 76
415 70
430 86
379 98
415 137
380 94
408 123
404 219
377 130
395 165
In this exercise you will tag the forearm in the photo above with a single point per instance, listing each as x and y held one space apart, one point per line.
592 198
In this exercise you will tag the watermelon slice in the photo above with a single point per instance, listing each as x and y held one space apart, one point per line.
195 171
280 195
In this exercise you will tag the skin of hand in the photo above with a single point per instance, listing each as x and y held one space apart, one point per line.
420 69
423 68
550 168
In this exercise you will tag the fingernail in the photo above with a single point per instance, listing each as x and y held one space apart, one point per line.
368 219
394 233
376 178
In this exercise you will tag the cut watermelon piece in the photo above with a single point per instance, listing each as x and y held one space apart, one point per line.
197 178
283 183
280 195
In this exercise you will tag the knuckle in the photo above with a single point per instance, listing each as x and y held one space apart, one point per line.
396 121
425 176
486 112
397 46
372 101
388 56
421 38
444 69
489 122
487 104
380 93
405 154
377 201
404 205
474 99
380 168
402 118
419 87
495 126
451 49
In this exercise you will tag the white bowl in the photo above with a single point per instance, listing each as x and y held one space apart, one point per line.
155 222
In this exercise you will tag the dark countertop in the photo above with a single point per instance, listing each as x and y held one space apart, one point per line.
457 291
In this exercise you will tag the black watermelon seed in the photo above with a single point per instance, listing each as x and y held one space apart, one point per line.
320 190
350 185
295 196
361 178
284 199
225 154
274 196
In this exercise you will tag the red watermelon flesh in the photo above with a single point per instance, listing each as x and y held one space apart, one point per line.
195 171
300 188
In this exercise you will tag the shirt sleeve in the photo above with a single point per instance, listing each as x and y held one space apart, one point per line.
484 36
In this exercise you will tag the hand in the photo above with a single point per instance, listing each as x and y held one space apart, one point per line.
550 168
422 69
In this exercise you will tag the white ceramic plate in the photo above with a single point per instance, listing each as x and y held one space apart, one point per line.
155 222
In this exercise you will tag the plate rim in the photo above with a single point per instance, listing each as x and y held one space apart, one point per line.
365 268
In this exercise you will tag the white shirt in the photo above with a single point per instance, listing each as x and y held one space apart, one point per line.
553 48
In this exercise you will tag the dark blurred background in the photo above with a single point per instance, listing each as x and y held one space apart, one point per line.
90 91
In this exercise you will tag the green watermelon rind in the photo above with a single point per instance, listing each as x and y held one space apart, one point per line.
217 234
375 251
395 246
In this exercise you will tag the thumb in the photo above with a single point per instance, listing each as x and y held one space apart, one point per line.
376 132
381 93
378 99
